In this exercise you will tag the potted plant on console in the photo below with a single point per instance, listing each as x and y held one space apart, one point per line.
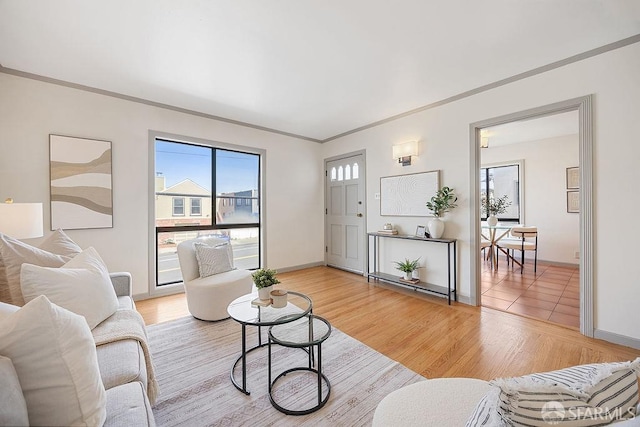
444 200
408 267
493 207
264 280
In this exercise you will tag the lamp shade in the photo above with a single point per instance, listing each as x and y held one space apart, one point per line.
406 149
21 220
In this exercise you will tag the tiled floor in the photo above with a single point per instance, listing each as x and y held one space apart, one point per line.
552 293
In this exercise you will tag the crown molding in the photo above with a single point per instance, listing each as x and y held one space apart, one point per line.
539 70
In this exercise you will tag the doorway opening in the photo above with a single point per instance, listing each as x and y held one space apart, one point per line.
584 277
528 160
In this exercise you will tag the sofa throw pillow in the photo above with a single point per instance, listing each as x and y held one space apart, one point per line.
13 408
54 355
212 259
7 309
486 411
13 253
82 286
60 244
583 395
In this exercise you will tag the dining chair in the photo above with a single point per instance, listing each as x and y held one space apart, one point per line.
484 244
522 239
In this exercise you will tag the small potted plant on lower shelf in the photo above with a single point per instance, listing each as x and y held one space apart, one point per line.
264 279
408 267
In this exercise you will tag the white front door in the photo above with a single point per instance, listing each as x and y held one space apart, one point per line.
345 209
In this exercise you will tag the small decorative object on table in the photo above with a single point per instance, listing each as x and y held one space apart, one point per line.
408 268
421 231
492 207
388 229
444 200
279 298
261 302
264 280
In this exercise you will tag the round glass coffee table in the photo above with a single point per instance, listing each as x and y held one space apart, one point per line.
243 311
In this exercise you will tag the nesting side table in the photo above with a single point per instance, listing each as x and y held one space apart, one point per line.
306 332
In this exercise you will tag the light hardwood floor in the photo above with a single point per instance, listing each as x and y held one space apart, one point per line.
424 333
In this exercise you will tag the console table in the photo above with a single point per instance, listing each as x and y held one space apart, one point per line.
373 248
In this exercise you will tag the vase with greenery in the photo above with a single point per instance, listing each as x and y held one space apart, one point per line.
493 207
264 279
443 201
407 267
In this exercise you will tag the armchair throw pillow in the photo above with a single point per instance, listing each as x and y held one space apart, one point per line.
213 259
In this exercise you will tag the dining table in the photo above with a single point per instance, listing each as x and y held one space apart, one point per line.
493 234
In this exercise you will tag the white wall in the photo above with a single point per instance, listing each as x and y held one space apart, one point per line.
545 194
30 110
444 131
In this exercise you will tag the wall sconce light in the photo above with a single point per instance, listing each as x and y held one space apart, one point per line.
404 151
484 142
21 220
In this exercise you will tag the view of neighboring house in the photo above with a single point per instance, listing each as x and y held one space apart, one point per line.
182 203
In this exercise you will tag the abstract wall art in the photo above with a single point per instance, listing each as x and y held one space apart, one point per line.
81 186
407 195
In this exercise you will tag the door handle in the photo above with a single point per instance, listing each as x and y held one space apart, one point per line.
359 215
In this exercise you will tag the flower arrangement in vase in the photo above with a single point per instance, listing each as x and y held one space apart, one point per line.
493 207
443 201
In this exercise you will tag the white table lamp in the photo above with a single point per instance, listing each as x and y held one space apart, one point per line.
21 220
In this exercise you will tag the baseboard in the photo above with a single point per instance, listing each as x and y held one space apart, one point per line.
464 299
163 291
559 264
300 267
617 338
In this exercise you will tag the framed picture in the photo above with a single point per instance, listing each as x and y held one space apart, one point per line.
573 201
81 186
573 178
421 231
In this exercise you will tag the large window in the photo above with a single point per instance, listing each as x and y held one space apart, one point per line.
498 181
222 189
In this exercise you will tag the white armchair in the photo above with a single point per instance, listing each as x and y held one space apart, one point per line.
208 297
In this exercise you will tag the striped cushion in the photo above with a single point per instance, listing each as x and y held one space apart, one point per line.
485 413
588 395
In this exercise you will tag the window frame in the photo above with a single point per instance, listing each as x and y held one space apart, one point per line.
521 192
173 206
191 205
156 289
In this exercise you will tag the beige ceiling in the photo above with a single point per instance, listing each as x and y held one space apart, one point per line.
311 68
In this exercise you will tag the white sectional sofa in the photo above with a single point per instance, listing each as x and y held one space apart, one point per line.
122 369
73 348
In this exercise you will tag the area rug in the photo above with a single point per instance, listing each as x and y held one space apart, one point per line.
193 360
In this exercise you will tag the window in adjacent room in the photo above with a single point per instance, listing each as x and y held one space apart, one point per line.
500 180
